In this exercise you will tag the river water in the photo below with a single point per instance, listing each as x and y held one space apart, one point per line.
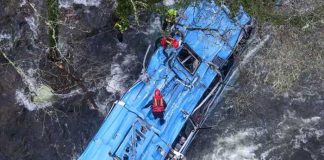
252 121
259 124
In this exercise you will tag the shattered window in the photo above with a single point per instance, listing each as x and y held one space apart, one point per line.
188 59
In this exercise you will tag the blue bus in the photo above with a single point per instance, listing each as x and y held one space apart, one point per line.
190 77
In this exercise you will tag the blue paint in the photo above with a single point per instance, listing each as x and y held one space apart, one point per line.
130 129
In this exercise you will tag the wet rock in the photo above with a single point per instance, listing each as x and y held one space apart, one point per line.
44 94
90 52
300 155
263 120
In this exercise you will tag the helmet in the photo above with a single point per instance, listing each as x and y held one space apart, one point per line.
157 92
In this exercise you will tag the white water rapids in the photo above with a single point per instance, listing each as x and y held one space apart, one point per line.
290 133
69 3
238 145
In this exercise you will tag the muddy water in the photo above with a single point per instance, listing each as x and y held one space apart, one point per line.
254 121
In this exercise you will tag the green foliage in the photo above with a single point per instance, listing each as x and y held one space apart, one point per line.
122 25
263 10
124 9
171 15
53 15
158 9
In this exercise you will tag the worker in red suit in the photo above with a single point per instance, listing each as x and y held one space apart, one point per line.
165 41
158 106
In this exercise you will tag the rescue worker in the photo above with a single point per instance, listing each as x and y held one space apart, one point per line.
121 26
170 19
158 106
169 41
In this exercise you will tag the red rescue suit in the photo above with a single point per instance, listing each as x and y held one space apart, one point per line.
169 41
158 104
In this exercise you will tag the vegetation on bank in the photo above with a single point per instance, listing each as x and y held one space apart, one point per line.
131 9
53 15
128 8
263 10
65 76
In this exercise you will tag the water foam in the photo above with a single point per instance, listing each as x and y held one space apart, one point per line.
296 132
155 26
68 3
22 3
6 42
307 130
116 82
236 146
265 154
119 79
305 126
251 53
5 36
33 25
24 100
168 2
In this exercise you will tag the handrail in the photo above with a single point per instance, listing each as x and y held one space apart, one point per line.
213 90
145 57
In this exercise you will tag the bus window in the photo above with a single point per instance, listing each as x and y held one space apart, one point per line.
188 59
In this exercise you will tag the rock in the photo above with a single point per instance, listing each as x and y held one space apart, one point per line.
89 43
44 94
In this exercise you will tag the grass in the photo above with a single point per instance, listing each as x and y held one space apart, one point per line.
264 11
292 56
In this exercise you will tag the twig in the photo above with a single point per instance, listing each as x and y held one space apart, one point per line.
81 85
19 71
135 12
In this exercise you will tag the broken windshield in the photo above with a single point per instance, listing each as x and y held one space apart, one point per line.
188 59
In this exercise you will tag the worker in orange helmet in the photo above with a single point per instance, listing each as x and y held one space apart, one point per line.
158 106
